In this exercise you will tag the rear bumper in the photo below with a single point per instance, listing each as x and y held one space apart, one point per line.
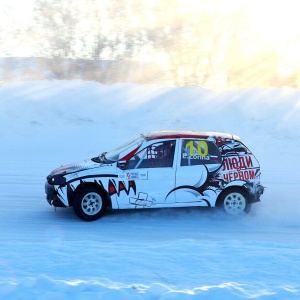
258 192
52 197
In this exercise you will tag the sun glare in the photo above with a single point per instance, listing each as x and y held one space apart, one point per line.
278 25
234 33
277 21
16 11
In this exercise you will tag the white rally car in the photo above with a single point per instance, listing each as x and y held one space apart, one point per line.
161 169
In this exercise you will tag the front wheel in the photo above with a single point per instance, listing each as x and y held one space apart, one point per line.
89 205
235 201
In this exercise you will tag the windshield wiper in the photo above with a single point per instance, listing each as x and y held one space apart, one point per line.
103 158
100 158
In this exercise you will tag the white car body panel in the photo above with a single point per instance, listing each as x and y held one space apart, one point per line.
201 169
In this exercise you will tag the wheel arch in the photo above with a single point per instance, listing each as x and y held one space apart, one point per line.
219 200
101 190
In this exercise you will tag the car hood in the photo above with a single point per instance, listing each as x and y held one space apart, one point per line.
77 167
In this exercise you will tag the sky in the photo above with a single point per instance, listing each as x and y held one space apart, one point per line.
278 23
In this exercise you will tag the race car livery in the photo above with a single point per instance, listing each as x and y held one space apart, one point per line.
161 169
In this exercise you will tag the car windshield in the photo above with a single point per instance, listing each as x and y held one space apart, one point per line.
124 149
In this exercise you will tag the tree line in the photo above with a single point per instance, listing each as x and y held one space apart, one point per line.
181 44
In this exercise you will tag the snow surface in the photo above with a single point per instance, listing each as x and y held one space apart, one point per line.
149 254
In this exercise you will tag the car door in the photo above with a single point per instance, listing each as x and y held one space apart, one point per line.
198 160
151 171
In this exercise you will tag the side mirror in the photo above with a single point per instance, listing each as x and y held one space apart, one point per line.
122 164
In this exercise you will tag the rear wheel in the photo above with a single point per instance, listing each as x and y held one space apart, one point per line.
235 201
89 205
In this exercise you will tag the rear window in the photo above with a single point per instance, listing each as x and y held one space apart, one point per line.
199 152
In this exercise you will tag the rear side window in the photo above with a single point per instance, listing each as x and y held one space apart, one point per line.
199 152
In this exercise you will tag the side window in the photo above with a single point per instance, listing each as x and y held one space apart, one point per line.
199 152
157 155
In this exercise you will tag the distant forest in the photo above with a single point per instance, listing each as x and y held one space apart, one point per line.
169 42
104 71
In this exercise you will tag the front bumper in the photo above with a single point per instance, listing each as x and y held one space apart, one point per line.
51 196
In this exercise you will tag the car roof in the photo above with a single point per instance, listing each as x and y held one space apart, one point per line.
187 134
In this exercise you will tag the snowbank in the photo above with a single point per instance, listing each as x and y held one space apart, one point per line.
164 254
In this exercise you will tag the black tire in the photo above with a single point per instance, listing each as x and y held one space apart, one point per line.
234 201
89 204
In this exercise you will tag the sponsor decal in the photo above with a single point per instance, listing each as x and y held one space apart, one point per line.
143 175
141 200
132 175
237 163
136 175
186 156
238 168
240 175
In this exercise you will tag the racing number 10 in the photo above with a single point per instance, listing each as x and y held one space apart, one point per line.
202 148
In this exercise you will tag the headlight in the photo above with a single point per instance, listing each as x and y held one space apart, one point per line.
56 180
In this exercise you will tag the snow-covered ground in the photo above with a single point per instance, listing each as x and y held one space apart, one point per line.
156 254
